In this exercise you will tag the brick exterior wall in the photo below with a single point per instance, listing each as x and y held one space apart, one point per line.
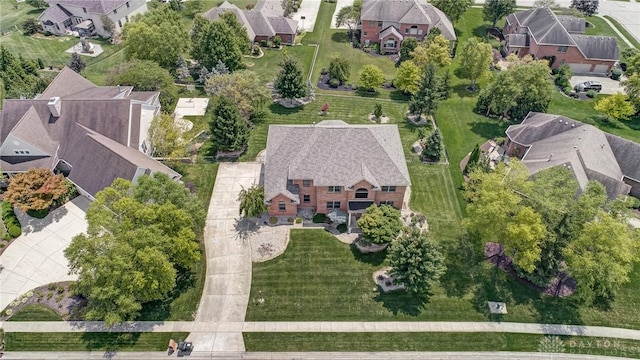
319 196
371 32
514 149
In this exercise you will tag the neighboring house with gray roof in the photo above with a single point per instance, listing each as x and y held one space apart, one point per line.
543 141
91 134
389 22
541 33
333 165
62 17
263 23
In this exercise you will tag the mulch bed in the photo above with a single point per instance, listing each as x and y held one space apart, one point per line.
55 296
323 83
561 286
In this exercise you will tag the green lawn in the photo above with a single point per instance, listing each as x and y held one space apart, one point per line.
433 342
267 67
90 341
185 297
13 14
624 31
35 312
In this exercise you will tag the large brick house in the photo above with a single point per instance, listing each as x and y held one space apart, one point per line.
333 165
389 22
264 22
541 33
543 140
91 134
87 16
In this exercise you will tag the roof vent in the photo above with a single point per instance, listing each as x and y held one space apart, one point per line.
559 121
54 105
573 125
566 123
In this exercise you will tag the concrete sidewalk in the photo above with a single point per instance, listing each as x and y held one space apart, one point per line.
228 281
224 330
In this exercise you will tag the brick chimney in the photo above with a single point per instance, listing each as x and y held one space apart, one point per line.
54 105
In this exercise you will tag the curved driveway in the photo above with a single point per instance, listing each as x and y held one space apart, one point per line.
226 290
36 258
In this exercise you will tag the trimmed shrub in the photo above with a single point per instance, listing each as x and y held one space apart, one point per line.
567 89
342 228
255 50
334 83
592 93
273 220
616 73
319 218
298 220
10 220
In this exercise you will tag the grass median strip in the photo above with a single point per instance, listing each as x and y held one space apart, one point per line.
90 341
439 342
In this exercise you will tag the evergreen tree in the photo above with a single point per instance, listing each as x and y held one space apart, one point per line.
425 100
218 41
494 10
229 131
444 86
77 64
290 84
587 7
433 148
20 77
474 158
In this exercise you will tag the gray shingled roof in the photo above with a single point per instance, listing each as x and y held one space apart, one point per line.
283 25
390 31
259 23
547 28
92 132
333 153
394 11
574 25
101 7
214 14
56 13
598 47
589 152
518 40
271 8
441 21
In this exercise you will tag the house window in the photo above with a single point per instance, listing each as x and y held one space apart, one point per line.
84 10
120 23
306 198
334 189
390 43
371 23
563 61
21 152
362 193
386 202
563 49
306 183
128 4
289 182
406 31
388 189
333 205
281 206
365 33
414 29
379 23
115 11
67 23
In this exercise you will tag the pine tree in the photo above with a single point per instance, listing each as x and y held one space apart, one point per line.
433 149
474 158
77 64
290 83
229 131
444 86
425 101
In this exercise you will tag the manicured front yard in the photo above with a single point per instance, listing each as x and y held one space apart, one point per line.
35 312
90 341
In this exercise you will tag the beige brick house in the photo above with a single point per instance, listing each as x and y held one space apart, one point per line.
541 33
333 165
389 22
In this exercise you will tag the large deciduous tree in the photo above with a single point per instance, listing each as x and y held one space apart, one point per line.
145 75
214 41
494 10
252 201
339 69
453 8
158 35
349 16
416 262
35 189
371 77
408 77
406 49
137 241
475 61
632 88
435 52
617 107
290 83
229 131
380 224
425 100
243 88
517 91
587 7
165 137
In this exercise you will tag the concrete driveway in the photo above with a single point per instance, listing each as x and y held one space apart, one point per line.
36 258
308 9
339 5
609 86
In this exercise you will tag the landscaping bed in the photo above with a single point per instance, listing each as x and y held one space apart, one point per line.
58 297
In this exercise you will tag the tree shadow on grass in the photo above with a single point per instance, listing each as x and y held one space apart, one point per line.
161 309
401 302
497 285
490 128
376 258
367 94
461 89
282 110
340 37
464 258
481 31
109 342
398 95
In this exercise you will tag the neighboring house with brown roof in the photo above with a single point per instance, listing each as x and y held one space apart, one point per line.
264 22
333 165
62 17
541 33
543 140
389 22
92 134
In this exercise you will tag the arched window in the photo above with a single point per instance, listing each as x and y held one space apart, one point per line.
362 193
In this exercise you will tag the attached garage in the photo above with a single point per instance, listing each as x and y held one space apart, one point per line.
601 69
580 68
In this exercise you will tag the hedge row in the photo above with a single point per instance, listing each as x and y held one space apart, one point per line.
11 221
